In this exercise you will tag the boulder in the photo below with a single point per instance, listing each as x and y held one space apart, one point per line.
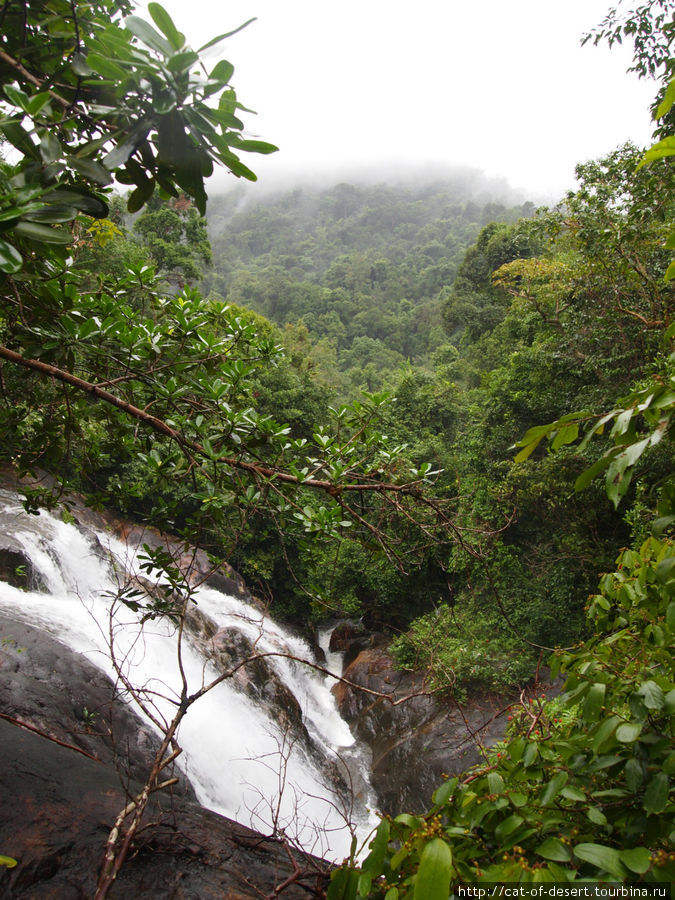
71 753
63 806
418 740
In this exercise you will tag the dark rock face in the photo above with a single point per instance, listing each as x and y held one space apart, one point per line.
62 807
63 785
350 638
65 696
416 742
15 567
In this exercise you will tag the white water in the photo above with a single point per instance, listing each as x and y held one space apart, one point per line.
334 658
237 758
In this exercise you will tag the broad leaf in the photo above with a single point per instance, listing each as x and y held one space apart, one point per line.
637 860
435 872
164 22
656 795
10 258
554 849
604 858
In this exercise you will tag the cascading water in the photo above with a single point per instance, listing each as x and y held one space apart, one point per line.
334 658
239 761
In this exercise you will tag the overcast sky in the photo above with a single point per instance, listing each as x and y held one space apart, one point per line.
501 85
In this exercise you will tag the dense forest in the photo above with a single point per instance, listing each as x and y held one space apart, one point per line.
390 402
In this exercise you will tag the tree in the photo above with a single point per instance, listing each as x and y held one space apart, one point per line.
176 238
110 386
580 790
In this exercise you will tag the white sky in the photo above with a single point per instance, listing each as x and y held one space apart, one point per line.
500 85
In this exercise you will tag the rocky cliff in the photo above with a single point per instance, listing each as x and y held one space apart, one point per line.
66 773
416 737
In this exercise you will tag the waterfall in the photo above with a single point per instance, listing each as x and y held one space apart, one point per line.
240 761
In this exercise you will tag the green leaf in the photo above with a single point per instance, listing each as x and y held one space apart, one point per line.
50 148
628 732
554 849
164 22
434 873
16 97
634 775
8 862
669 700
530 754
181 62
106 67
638 859
139 197
667 102
43 234
90 170
516 748
37 102
54 214
596 815
593 471
83 200
594 701
222 37
10 258
343 884
378 849
445 791
495 783
566 435
604 731
660 150
604 858
656 795
121 153
509 825
364 884
145 32
222 72
19 138
652 695
527 451
407 819
574 794
553 788
254 146
80 66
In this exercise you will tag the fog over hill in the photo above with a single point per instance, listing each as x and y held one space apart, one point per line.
467 180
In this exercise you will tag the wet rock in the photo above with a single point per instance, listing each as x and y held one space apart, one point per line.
63 805
64 696
70 775
415 742
196 564
350 638
16 568
226 649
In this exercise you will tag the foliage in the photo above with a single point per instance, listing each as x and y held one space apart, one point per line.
361 268
88 93
176 239
584 795
451 645
640 421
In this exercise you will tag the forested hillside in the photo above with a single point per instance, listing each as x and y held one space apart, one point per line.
514 322
355 273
